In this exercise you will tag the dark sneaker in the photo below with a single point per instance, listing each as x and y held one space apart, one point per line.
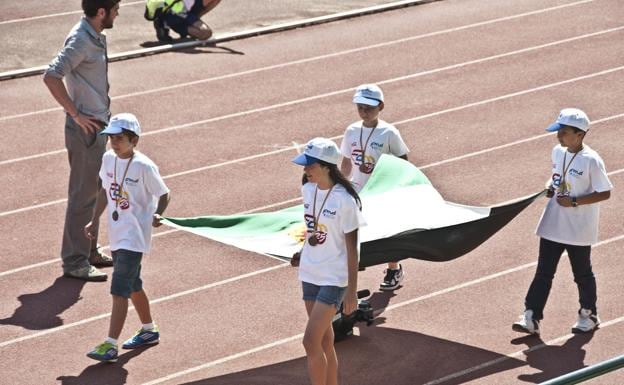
392 280
99 259
526 324
162 33
87 273
105 352
142 338
586 322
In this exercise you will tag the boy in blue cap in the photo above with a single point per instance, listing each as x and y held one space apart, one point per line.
137 197
569 222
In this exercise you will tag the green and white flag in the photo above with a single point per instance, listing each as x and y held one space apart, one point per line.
406 218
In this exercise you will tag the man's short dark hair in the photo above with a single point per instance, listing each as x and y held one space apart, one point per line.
90 7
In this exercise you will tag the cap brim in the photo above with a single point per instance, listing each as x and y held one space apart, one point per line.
554 127
367 101
111 131
304 160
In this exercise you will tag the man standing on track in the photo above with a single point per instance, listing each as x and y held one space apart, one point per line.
83 63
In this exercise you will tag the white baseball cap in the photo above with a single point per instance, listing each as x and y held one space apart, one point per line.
318 149
124 121
570 117
369 94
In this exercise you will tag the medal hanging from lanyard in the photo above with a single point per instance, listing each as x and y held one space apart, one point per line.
312 240
363 167
563 186
119 192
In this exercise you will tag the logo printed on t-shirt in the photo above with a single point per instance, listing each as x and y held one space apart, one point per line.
376 146
121 196
329 214
321 229
556 179
369 161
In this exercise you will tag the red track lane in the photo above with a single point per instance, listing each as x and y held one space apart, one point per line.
233 317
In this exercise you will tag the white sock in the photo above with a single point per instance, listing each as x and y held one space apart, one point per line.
111 340
149 326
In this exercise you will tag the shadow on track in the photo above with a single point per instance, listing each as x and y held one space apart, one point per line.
41 310
553 361
203 48
104 373
381 356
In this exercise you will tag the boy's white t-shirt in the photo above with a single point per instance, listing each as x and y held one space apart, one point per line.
585 174
385 139
142 188
326 263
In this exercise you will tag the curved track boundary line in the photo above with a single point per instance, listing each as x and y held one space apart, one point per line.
311 59
237 35
396 306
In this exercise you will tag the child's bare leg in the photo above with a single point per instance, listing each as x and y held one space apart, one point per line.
142 306
320 316
118 316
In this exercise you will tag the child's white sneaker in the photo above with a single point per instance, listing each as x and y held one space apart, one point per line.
527 324
586 322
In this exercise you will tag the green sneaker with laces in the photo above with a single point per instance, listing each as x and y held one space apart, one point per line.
105 352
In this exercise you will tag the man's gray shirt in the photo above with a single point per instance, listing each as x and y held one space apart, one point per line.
83 63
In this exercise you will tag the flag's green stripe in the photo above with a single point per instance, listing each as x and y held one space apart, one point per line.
244 225
390 173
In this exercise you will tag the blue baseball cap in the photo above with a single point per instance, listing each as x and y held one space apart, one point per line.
318 149
570 117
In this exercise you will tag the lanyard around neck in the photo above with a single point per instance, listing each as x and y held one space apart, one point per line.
314 214
123 179
367 139
564 167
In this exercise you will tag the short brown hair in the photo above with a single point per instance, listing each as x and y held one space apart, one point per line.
90 7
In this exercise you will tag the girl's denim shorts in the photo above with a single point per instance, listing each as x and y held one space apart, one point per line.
329 295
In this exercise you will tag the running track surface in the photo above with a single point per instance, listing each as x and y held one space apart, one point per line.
470 85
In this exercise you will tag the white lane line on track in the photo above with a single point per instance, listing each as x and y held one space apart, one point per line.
457 158
454 109
80 12
158 300
387 81
159 234
279 266
315 58
398 305
225 359
515 355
